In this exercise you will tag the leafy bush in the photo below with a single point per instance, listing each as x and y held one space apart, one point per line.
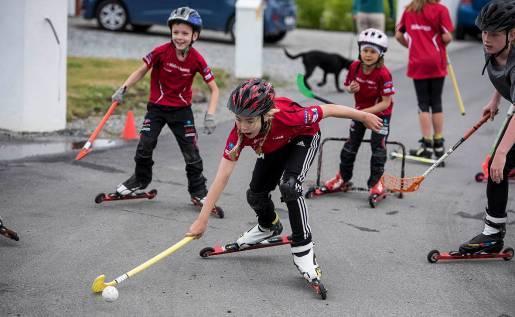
332 15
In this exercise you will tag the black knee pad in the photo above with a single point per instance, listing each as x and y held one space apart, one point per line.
259 201
288 190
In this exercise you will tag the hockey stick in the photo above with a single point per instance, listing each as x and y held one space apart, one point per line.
304 90
455 86
99 283
411 184
87 146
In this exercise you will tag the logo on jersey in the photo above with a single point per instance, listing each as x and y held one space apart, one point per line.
148 58
310 115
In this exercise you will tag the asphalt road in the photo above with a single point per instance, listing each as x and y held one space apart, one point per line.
373 260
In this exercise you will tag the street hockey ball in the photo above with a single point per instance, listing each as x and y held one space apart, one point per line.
110 294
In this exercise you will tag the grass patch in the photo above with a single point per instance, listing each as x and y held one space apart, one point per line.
92 81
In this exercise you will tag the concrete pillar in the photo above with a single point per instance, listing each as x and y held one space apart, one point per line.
33 68
249 39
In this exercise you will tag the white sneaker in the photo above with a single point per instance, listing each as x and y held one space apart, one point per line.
306 262
257 234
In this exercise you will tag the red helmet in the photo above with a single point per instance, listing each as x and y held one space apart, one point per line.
252 98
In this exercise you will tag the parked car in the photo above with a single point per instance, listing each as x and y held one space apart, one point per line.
468 10
219 15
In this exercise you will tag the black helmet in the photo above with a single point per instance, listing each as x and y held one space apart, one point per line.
497 15
252 98
186 15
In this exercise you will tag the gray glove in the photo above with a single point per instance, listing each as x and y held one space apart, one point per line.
209 123
118 94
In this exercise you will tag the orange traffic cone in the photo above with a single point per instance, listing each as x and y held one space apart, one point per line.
129 131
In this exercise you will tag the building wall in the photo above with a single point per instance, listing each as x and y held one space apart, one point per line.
33 80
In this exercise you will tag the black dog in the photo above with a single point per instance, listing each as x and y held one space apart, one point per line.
330 63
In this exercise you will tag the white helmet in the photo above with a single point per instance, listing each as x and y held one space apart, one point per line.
375 38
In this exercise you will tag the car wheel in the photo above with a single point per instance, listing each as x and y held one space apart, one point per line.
275 38
140 28
460 33
112 15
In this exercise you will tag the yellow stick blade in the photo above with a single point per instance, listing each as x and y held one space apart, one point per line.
98 284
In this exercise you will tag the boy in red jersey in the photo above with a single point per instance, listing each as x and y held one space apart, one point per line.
173 65
285 137
425 29
371 83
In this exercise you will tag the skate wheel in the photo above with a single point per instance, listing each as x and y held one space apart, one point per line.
219 212
508 251
15 237
206 252
372 201
100 198
152 194
480 177
310 193
433 256
322 291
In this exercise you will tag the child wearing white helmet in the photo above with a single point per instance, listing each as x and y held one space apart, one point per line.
371 83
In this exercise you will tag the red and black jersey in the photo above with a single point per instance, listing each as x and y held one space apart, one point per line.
423 31
371 86
291 121
171 79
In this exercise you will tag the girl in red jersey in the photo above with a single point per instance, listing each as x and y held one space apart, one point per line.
285 137
425 29
371 83
173 65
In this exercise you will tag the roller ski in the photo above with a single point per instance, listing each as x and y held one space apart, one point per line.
435 255
130 189
8 233
482 177
482 246
234 247
216 211
376 194
334 185
419 159
255 238
306 262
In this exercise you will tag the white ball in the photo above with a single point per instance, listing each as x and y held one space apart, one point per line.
110 294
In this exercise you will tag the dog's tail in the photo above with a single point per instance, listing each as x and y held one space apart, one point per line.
292 56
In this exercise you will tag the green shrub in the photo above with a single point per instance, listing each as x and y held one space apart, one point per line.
332 15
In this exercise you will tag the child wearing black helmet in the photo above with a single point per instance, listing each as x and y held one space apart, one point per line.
497 24
285 136
173 66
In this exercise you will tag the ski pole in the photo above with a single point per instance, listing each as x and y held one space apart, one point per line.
457 93
87 146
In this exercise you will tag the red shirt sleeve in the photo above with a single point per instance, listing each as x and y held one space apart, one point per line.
386 84
204 70
153 57
300 116
445 21
232 140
